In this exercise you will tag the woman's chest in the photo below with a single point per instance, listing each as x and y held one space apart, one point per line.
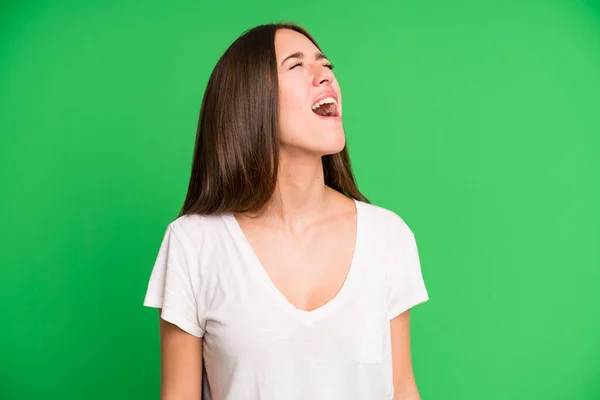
249 317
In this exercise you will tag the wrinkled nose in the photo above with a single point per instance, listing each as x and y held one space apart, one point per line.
322 76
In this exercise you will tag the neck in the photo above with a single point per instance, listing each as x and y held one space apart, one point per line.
300 194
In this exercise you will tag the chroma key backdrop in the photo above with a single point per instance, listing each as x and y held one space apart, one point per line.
477 122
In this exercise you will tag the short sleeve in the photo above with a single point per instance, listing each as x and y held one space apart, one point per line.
407 287
171 288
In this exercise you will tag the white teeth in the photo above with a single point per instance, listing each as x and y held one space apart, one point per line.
326 100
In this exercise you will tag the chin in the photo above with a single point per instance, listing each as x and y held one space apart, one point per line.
334 145
326 142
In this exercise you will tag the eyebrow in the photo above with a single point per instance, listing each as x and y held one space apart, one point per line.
300 55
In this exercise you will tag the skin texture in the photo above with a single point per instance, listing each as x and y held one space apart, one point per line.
181 363
405 387
305 238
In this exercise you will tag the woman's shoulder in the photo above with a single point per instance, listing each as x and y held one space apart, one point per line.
383 219
195 229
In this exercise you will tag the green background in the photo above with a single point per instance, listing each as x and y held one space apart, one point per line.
476 121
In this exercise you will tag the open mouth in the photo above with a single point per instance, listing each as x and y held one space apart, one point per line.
326 107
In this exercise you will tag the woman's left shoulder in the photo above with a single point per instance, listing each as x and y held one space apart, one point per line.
384 220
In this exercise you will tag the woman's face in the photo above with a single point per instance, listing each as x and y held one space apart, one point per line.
310 102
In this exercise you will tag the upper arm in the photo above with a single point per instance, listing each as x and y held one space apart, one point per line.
181 363
177 289
403 375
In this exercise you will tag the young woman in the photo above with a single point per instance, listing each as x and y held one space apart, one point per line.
279 280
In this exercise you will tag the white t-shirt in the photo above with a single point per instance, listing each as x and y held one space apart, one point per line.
257 345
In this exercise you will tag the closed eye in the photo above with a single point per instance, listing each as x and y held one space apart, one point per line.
299 64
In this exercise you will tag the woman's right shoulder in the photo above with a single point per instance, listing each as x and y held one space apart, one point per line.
195 229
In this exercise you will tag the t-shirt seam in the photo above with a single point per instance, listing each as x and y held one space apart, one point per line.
178 316
416 297
173 311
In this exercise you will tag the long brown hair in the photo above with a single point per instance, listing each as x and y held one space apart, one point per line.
236 155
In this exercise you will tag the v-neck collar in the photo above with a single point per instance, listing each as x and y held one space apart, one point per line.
273 291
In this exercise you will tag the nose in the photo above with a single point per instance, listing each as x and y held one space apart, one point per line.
322 75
